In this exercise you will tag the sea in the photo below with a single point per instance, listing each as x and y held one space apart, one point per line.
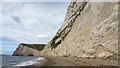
9 61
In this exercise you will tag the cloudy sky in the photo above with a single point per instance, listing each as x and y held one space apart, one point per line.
30 22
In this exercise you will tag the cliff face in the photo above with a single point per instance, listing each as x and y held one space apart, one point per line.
28 49
90 29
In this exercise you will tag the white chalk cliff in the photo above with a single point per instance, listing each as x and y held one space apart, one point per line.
90 29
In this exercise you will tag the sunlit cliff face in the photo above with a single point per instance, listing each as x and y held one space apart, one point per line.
90 29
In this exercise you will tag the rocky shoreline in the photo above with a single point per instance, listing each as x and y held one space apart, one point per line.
59 61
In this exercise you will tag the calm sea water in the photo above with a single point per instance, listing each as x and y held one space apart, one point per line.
9 61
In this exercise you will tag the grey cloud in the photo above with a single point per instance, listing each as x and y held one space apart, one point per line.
17 19
34 22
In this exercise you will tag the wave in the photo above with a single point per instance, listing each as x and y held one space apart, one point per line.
30 62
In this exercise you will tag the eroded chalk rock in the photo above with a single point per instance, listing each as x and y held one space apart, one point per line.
105 55
90 29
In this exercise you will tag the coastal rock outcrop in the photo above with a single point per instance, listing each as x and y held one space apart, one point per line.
90 29
28 49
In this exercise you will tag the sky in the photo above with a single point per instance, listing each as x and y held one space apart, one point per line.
30 22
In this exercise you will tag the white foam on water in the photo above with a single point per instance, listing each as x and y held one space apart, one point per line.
30 62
